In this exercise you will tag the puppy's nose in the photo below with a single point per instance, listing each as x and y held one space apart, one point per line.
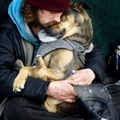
47 30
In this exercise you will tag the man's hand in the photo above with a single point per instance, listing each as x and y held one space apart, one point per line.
83 77
62 90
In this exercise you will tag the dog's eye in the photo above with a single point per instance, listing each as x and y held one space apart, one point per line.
63 18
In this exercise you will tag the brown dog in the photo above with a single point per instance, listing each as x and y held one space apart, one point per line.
74 29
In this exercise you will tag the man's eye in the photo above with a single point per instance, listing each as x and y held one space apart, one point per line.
52 12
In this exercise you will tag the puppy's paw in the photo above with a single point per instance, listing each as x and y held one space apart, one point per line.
18 85
37 60
20 80
19 64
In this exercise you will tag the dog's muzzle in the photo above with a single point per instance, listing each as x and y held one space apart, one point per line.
55 33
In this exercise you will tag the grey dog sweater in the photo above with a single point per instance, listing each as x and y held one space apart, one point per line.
45 48
50 43
78 50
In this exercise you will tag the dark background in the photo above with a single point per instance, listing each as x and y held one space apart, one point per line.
105 15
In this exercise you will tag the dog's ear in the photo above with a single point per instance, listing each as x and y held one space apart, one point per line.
79 6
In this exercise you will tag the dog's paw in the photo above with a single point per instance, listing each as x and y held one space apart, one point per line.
18 85
17 89
19 64
37 60
20 80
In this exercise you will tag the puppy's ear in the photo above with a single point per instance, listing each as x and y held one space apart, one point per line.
79 6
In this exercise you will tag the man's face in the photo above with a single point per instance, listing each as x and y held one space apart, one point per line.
47 18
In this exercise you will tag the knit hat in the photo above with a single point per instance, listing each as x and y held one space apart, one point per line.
50 5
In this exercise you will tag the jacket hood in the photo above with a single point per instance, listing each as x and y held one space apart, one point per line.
18 19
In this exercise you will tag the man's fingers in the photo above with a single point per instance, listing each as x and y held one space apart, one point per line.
70 100
72 82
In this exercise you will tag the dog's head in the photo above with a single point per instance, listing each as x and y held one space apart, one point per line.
75 25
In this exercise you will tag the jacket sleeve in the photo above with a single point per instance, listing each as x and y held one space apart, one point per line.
11 50
95 60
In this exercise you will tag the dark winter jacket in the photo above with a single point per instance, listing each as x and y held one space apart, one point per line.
11 49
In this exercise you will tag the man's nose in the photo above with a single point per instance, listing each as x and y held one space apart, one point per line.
57 17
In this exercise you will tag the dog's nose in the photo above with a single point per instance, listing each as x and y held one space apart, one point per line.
47 29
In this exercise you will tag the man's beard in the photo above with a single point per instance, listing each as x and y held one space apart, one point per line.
49 24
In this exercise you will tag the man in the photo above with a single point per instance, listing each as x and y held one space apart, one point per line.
18 40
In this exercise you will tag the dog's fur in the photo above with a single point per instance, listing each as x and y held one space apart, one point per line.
75 25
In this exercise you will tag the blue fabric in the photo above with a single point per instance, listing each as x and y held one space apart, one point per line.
18 19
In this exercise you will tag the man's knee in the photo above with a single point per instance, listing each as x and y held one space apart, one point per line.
14 108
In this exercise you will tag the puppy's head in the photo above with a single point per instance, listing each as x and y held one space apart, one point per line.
75 25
